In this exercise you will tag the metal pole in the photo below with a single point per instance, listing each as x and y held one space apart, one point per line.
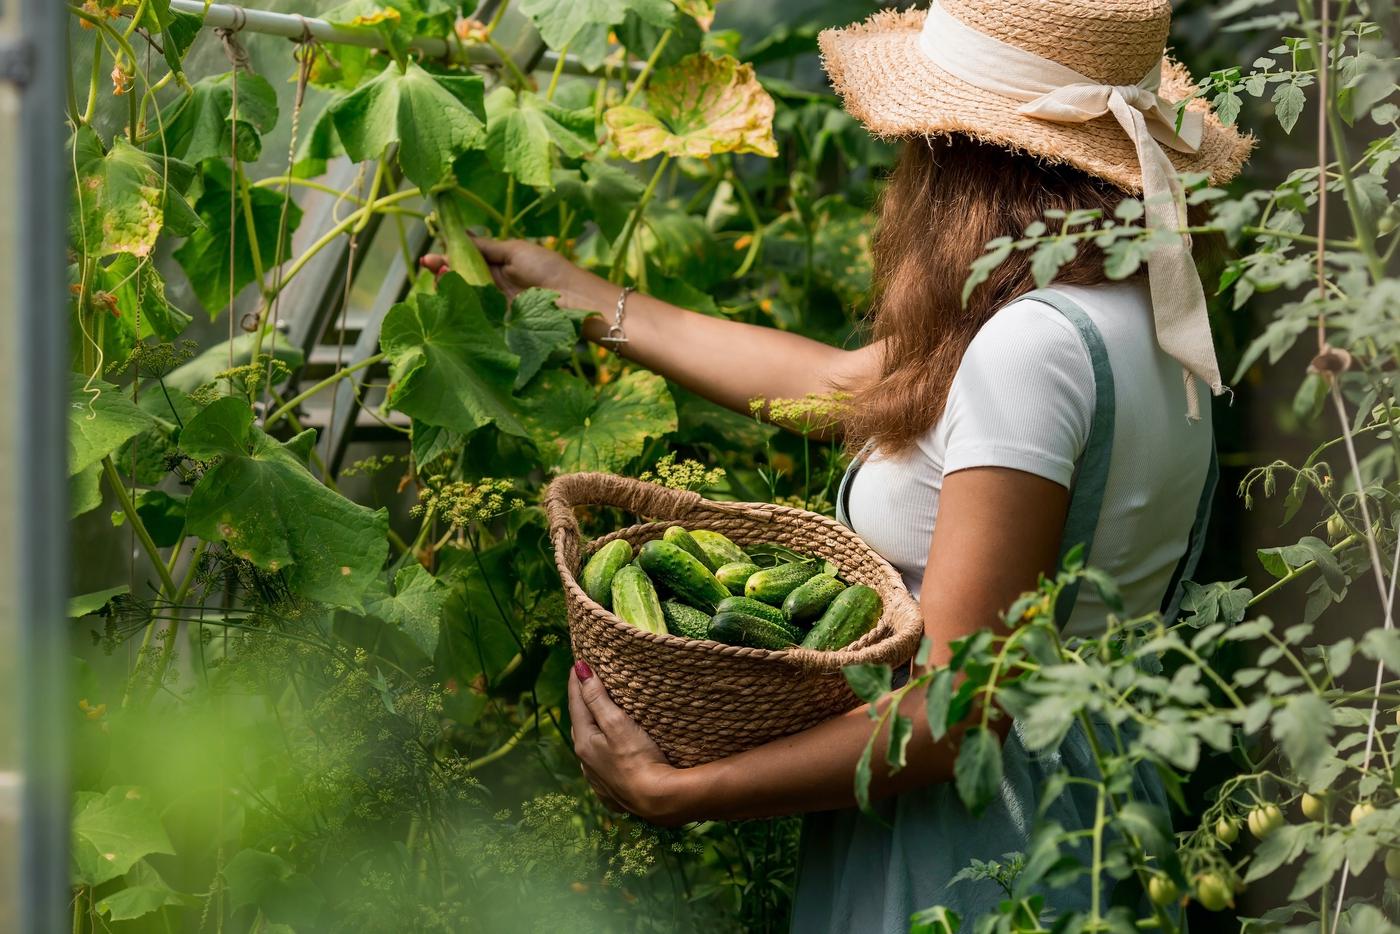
292 26
33 469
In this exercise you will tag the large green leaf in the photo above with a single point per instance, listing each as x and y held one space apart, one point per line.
450 366
523 130
201 125
698 107
205 255
433 118
100 420
112 831
136 901
415 606
262 501
266 880
583 25
538 328
574 429
121 199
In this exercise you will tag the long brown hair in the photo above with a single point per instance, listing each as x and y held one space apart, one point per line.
947 198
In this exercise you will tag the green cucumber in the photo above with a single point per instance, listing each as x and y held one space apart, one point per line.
634 600
851 615
686 621
754 631
718 546
774 584
811 598
597 577
683 573
734 575
751 607
686 542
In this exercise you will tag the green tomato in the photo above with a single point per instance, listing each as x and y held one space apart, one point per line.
1392 864
1314 806
1264 820
1163 891
1227 831
1361 811
1336 528
1212 891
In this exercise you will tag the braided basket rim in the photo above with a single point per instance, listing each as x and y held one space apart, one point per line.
893 639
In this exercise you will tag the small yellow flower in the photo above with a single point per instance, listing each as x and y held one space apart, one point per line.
743 242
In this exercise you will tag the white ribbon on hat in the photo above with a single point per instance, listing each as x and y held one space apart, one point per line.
1059 94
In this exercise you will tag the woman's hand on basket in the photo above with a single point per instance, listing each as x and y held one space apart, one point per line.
620 761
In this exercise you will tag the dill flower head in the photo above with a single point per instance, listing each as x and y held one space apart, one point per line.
372 464
254 375
156 359
686 475
460 503
815 411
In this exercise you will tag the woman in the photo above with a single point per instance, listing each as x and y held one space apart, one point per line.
992 435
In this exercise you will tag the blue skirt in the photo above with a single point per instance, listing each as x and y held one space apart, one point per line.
856 875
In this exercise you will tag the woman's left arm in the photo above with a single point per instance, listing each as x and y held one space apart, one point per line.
998 529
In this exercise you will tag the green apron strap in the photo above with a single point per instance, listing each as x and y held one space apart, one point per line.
1171 600
1091 473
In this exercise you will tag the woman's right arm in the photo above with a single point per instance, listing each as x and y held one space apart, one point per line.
727 362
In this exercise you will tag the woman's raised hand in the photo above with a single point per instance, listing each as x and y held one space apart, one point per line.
517 265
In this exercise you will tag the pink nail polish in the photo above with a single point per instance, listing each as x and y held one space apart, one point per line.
582 670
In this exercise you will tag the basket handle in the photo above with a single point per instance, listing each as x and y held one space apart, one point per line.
568 492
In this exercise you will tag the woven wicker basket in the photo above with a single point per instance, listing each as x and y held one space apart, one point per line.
701 700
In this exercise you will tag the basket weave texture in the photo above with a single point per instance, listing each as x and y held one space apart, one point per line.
702 700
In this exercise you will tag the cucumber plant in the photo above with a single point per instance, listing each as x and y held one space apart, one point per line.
324 698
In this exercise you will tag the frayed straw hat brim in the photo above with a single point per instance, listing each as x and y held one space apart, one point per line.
888 84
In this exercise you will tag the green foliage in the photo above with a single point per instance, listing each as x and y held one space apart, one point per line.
263 503
342 706
337 698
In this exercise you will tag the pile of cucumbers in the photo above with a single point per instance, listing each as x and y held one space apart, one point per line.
700 585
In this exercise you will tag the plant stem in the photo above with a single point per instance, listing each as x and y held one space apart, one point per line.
331 380
645 73
1295 573
558 71
329 236
114 479
633 220
503 749
474 198
520 77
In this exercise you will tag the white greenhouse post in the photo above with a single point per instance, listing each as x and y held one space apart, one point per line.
33 469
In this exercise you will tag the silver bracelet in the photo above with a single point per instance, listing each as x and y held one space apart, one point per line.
616 336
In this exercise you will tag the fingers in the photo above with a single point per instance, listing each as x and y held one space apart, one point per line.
495 251
607 715
584 726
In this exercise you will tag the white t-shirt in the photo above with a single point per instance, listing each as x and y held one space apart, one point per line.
1023 398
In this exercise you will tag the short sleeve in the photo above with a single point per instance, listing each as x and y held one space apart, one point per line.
1023 396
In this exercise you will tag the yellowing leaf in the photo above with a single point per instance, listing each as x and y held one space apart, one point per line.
702 11
383 15
699 107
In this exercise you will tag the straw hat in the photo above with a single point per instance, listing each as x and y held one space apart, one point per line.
889 83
